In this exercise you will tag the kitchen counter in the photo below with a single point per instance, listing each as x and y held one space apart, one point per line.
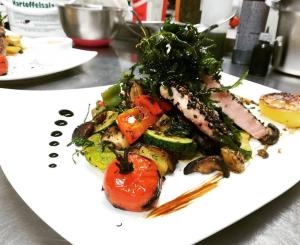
275 223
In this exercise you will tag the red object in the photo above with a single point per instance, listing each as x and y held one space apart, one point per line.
234 21
3 65
165 105
149 103
91 43
164 10
134 191
100 103
140 7
134 122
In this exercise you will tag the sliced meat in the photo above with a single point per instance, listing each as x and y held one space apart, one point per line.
206 119
194 115
235 110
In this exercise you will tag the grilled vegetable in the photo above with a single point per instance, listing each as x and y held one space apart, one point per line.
207 165
135 91
134 122
161 158
245 145
185 147
132 183
99 108
82 133
233 159
114 136
98 155
104 120
148 102
281 107
111 96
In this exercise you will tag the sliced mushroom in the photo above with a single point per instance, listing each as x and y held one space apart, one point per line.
114 136
233 159
84 130
272 137
135 90
100 117
207 165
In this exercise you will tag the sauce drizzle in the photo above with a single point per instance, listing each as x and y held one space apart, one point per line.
185 199
54 143
53 155
61 123
66 113
56 133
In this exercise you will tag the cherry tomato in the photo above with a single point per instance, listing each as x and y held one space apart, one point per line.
134 122
234 21
135 189
3 65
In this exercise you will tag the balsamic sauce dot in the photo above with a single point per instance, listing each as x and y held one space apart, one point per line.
52 165
56 133
61 123
53 155
54 143
66 113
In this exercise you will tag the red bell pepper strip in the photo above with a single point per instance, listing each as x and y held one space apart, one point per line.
149 103
134 122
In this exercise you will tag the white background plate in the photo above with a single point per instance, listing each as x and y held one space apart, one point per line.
69 197
36 62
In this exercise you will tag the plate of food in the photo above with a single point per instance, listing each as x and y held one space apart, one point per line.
35 57
148 160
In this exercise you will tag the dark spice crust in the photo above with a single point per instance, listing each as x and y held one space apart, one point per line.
211 116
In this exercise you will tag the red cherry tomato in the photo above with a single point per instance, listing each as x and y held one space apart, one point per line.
3 65
136 190
234 21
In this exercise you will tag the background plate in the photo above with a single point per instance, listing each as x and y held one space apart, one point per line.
36 63
69 197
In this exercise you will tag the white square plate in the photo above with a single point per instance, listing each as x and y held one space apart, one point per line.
69 197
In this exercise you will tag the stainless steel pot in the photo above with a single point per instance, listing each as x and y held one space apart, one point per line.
286 56
90 22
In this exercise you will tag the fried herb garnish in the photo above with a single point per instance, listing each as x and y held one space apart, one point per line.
177 53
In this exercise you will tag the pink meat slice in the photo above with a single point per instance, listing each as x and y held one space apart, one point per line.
236 111
181 101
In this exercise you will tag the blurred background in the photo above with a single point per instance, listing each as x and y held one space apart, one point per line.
258 34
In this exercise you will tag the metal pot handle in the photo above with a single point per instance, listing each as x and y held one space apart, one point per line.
278 51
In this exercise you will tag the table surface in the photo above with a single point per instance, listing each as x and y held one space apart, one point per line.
278 222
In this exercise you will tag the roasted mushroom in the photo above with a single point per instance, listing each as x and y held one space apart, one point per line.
207 165
135 90
272 137
83 131
233 160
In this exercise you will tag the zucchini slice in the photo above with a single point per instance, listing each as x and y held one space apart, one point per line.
184 147
99 156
